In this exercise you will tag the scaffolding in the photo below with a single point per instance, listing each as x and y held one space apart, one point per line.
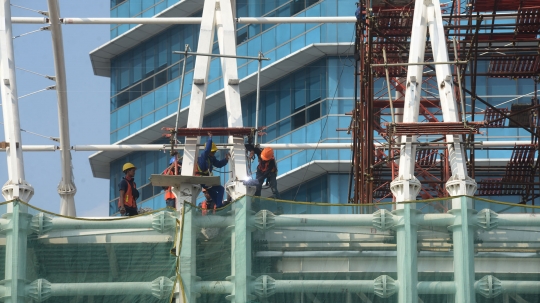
266 250
501 35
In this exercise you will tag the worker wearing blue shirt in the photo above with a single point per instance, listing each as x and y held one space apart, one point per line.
205 165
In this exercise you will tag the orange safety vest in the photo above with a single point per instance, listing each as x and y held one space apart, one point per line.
168 192
128 196
204 206
263 166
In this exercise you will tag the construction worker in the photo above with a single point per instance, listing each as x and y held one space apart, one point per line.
205 165
208 203
360 12
266 170
127 202
170 198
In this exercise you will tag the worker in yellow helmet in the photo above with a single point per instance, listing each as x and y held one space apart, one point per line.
205 165
127 202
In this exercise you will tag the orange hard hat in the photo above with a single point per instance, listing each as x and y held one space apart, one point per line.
267 154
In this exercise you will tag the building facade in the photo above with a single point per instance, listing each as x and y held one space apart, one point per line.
307 86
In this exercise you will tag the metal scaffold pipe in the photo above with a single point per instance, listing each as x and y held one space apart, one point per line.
323 220
41 289
82 289
328 286
276 146
436 287
521 287
197 20
29 20
518 220
66 187
435 219
214 287
161 221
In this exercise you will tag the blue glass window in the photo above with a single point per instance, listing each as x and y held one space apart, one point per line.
123 10
162 52
269 41
284 31
137 66
134 7
149 59
299 91
124 73
135 109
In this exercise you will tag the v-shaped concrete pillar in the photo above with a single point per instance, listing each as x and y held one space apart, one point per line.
427 16
217 15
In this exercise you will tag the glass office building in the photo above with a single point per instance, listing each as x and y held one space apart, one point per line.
307 86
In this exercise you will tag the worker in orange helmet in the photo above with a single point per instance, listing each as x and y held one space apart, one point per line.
266 170
208 203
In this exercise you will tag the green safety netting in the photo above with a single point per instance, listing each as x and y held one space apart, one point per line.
292 252
296 256
93 260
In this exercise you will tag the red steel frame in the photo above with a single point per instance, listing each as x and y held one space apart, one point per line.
511 48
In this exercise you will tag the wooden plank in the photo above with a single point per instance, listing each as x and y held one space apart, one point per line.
163 180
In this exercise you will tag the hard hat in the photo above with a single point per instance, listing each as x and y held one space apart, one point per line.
214 147
267 154
127 166
172 160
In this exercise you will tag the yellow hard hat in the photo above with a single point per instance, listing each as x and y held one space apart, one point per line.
214 147
127 166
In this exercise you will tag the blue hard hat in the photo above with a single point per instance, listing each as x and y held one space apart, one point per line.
171 161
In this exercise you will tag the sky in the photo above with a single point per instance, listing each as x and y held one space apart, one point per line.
88 104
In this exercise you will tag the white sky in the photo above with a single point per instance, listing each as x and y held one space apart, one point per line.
88 99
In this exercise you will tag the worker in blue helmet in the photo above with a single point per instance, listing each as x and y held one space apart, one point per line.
174 168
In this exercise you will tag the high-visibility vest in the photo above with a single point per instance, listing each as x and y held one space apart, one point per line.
129 201
204 206
168 192
206 172
263 166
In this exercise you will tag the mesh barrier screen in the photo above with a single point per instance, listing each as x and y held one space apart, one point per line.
307 252
94 260
291 252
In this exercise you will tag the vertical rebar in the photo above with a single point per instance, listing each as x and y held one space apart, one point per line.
258 94
181 90
459 84
388 85
173 142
